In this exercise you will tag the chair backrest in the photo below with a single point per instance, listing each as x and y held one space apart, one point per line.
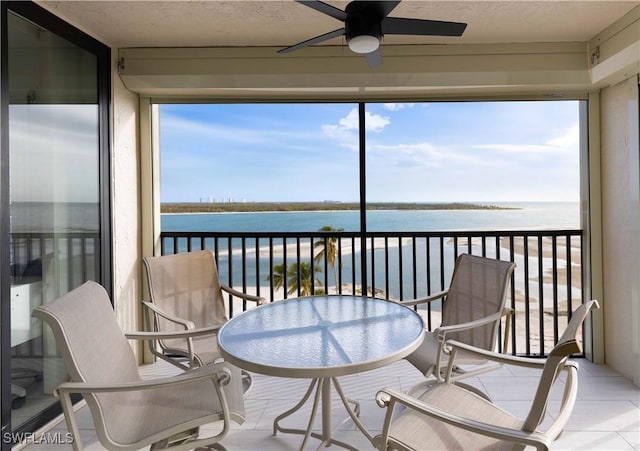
93 347
478 288
186 285
568 344
96 351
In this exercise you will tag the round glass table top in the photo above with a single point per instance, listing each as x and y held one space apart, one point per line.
321 336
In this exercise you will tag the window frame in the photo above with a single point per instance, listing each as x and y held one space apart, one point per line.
151 167
38 15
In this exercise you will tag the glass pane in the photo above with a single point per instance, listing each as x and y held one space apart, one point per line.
259 158
458 158
53 153
453 166
262 168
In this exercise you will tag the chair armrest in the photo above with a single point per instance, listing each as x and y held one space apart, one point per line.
455 346
215 373
220 375
442 331
388 397
430 298
158 311
568 401
249 297
190 333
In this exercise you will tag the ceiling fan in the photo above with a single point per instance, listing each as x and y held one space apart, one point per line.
366 22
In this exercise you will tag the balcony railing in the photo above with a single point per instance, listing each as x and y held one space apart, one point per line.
63 259
546 285
48 264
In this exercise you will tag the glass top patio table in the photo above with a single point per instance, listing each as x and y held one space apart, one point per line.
321 336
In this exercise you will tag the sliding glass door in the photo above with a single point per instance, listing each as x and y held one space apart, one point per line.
53 203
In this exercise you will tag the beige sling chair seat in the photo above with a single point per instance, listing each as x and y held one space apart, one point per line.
448 416
128 412
186 293
472 309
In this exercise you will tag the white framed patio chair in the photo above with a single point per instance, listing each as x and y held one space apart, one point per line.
472 309
449 416
186 293
128 412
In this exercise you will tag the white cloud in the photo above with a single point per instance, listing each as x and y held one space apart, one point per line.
421 149
517 148
570 140
347 137
424 154
190 129
193 129
375 122
566 145
349 123
397 106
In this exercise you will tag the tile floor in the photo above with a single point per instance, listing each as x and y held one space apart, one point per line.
606 416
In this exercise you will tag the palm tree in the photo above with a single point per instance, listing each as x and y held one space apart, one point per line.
305 286
328 247
282 275
279 276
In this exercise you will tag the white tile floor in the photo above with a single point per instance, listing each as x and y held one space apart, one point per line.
606 416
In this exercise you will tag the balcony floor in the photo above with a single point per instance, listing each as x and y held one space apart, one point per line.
606 416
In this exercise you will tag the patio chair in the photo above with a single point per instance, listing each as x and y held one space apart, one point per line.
186 294
448 416
128 412
472 309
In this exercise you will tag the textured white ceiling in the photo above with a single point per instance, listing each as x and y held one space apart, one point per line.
241 23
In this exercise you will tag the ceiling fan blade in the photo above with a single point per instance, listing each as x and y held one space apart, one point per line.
325 9
316 40
388 6
398 25
374 59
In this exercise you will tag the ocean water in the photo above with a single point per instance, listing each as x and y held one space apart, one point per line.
526 215
245 269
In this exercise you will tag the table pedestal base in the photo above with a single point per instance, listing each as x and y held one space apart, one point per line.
322 388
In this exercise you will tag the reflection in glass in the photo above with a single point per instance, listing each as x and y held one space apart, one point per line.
54 201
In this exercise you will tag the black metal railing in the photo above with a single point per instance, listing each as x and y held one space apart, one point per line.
50 264
64 259
545 288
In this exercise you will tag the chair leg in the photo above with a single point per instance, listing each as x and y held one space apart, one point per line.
162 444
247 381
176 439
70 418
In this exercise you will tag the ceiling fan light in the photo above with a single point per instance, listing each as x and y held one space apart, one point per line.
364 43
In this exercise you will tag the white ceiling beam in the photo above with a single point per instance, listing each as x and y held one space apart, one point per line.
614 54
334 71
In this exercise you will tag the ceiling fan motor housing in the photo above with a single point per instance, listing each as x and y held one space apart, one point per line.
363 18
364 23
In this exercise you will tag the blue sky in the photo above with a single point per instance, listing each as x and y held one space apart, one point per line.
416 152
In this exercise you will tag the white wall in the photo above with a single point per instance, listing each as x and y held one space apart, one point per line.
620 168
153 72
127 280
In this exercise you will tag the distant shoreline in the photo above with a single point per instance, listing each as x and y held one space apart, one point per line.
256 207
